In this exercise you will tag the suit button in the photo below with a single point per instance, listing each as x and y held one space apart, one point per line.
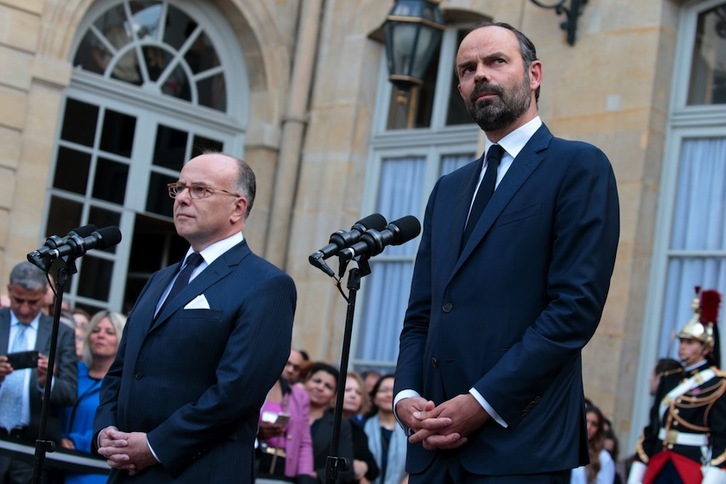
447 307
138 375
434 362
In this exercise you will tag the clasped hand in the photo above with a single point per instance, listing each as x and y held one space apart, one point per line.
446 426
124 450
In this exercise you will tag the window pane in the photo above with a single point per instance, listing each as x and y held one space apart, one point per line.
71 170
179 28
79 122
450 163
157 198
170 148
101 218
118 133
110 181
202 144
698 221
64 216
212 92
456 110
95 278
146 19
708 72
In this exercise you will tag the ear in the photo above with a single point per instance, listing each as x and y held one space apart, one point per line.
240 208
535 75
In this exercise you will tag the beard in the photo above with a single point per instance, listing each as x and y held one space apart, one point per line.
502 111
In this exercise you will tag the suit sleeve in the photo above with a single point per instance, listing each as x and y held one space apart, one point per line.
65 379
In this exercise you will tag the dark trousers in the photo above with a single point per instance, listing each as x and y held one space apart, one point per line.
446 469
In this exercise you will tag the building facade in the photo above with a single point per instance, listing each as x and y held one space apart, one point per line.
101 102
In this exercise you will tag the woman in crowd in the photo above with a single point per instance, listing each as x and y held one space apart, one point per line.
356 404
99 351
601 469
321 385
285 450
386 438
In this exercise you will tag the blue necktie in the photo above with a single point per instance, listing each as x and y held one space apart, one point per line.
182 280
486 189
11 396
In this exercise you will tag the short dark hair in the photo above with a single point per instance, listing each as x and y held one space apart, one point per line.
325 368
526 46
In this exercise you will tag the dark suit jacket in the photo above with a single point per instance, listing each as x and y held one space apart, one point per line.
322 434
65 379
510 315
195 379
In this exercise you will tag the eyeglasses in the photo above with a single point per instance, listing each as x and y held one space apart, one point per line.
196 190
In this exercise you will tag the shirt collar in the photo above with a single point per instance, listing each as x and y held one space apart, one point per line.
515 141
212 252
14 321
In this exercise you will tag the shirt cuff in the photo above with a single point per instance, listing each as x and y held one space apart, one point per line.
151 450
400 396
490 410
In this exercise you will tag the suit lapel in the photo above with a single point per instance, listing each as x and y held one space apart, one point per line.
522 168
209 276
4 330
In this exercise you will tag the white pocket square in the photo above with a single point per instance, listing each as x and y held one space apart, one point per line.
199 302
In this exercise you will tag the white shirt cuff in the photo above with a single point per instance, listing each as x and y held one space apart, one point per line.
485 405
400 396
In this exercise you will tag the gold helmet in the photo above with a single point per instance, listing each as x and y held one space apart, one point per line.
705 315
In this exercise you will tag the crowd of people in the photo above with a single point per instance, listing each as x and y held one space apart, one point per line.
297 420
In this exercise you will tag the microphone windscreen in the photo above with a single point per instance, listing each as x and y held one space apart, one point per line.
374 221
408 228
108 236
84 231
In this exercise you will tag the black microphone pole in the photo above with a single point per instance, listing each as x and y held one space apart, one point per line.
43 446
334 462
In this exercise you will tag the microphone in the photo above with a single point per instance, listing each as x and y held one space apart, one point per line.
53 242
77 246
373 242
342 239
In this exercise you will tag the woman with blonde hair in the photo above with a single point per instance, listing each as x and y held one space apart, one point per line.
99 351
357 404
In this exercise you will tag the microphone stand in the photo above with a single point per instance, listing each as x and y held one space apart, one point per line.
66 268
335 463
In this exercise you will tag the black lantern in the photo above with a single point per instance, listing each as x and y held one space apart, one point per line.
412 34
572 13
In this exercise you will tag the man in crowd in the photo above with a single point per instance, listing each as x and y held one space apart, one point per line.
202 345
509 284
24 327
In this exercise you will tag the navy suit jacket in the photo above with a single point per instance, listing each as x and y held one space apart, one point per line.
510 314
195 379
65 379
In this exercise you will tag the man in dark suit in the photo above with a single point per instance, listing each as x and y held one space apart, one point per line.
489 378
181 401
24 327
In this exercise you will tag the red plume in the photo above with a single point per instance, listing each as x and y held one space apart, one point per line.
710 301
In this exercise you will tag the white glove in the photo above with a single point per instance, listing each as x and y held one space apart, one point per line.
713 475
637 471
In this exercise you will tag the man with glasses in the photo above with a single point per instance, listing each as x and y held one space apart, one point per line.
205 341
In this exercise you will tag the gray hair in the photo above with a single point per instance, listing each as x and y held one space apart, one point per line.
29 277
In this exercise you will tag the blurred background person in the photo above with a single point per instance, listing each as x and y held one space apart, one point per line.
293 367
601 469
357 404
285 450
82 319
321 385
370 378
386 438
99 350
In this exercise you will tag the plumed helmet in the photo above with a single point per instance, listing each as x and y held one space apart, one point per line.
705 316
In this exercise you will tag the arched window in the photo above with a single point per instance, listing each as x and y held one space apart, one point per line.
150 89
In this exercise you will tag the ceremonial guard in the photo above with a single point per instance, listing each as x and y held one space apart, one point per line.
685 441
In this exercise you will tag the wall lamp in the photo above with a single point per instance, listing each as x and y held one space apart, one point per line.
412 33
571 14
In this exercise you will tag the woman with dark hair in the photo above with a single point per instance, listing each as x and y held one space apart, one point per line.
321 385
386 438
601 469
